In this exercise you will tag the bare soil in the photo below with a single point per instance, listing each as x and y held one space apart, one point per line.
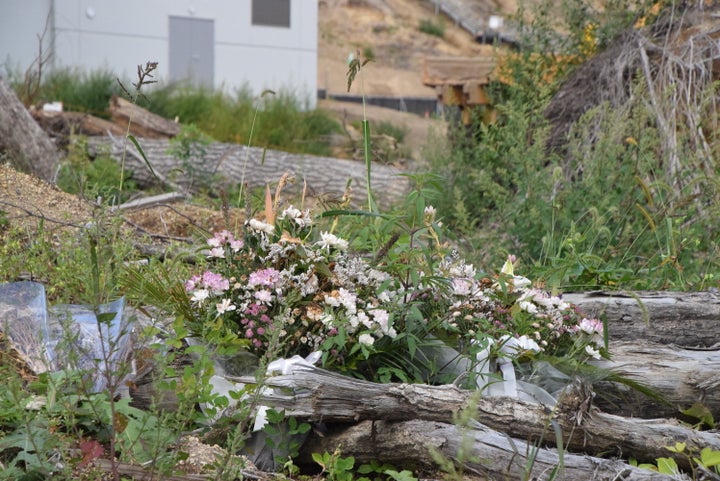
27 203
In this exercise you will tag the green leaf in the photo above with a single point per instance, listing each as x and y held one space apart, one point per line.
667 466
106 317
142 154
700 412
709 457
345 464
678 448
403 475
321 459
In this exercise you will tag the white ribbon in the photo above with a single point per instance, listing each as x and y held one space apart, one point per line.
282 367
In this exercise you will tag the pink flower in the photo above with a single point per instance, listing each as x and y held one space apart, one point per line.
215 282
222 238
264 277
192 283
236 244
591 326
249 333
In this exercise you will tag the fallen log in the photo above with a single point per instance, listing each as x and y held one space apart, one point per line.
656 316
682 377
474 450
63 124
143 123
28 147
326 177
319 395
146 202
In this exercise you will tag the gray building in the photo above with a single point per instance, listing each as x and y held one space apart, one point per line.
264 44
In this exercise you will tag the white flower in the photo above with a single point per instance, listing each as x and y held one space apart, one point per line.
260 226
331 301
301 218
217 253
592 352
461 287
200 296
382 317
224 306
429 214
366 339
348 300
328 240
364 319
263 296
529 307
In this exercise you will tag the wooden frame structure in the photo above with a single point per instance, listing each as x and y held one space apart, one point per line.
462 81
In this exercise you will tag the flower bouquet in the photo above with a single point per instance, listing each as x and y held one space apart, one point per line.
283 289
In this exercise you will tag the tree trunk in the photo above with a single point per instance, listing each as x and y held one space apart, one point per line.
476 450
323 396
687 319
326 177
27 146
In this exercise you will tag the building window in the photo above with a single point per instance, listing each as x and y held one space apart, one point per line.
271 13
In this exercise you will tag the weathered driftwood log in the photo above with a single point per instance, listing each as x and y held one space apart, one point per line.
688 319
143 123
326 177
63 124
682 376
476 450
320 395
28 147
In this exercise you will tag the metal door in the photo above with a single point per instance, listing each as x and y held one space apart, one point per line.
192 50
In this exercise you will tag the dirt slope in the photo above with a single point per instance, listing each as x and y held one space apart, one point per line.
390 29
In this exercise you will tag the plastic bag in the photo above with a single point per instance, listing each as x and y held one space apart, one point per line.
64 337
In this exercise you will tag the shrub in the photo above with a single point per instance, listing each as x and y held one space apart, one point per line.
432 27
608 210
281 122
81 91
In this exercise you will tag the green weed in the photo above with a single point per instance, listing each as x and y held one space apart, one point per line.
432 27
283 122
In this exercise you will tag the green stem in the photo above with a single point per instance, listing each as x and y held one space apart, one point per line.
368 161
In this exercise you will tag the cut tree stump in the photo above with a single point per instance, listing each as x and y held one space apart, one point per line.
28 147
319 395
326 177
